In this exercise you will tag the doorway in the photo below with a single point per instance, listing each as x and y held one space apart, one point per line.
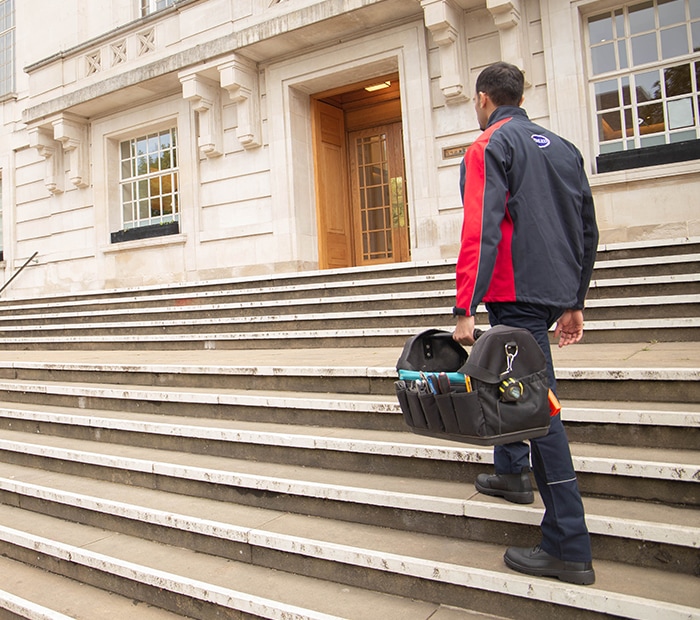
362 212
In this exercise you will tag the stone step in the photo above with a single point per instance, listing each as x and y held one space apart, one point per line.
643 277
194 585
366 495
644 286
288 485
632 424
240 335
28 379
360 311
648 248
36 594
405 563
436 290
370 310
647 265
345 449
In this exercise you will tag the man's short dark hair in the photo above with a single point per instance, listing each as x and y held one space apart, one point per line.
503 83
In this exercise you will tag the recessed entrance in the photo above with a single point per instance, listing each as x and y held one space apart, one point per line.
360 180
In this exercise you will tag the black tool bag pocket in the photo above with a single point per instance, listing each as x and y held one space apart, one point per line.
526 418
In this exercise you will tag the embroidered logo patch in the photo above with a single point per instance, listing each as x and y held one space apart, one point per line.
541 141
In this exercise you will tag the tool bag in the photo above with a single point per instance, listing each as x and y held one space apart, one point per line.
497 394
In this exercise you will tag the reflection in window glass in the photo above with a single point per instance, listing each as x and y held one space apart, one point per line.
648 86
606 95
151 6
609 126
677 80
7 46
682 136
671 12
651 118
603 58
694 9
600 29
622 54
149 179
641 17
644 49
626 97
674 42
695 33
645 97
652 141
680 113
620 23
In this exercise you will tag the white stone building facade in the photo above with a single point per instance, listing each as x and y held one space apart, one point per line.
150 142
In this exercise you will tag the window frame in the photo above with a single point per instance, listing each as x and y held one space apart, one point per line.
148 7
625 103
7 50
137 186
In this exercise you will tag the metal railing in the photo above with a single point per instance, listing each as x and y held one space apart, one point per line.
16 273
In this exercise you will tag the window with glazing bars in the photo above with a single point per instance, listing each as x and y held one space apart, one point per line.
151 6
149 179
7 47
645 70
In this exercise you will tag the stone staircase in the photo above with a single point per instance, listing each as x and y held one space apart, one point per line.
233 449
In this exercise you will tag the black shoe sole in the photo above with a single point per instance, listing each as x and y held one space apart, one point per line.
517 497
581 578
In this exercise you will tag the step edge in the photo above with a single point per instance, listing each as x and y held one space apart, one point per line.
211 593
604 525
587 597
336 492
27 609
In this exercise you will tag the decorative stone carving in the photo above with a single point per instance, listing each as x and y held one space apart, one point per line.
72 132
41 139
442 19
239 76
205 97
507 16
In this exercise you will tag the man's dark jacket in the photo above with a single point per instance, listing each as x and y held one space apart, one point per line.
529 232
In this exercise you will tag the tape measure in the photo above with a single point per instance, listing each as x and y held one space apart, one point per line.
511 390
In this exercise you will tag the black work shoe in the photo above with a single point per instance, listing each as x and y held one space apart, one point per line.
516 488
537 562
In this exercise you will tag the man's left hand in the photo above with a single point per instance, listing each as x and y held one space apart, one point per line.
569 328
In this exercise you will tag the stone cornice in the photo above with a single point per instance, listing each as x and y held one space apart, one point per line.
258 42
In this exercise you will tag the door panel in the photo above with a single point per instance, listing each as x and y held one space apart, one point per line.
332 203
378 195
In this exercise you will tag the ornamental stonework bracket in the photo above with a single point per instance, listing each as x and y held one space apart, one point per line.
72 133
443 20
508 17
204 96
239 76
41 139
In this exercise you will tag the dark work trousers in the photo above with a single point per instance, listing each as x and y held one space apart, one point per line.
564 532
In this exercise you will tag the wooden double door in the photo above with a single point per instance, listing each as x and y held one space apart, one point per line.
360 191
